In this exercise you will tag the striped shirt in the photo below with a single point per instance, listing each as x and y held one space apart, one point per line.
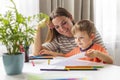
66 44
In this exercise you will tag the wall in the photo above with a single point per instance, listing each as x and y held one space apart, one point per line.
114 50
46 6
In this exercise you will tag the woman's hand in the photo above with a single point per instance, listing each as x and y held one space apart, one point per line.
50 24
44 51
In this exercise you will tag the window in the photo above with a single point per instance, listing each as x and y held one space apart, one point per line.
107 21
25 7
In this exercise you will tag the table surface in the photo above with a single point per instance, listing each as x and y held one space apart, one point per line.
30 72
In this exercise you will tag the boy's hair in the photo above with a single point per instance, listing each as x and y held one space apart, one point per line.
84 25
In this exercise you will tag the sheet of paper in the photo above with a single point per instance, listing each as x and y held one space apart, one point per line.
74 60
76 56
78 63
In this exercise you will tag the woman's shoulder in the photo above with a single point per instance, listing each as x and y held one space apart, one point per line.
98 46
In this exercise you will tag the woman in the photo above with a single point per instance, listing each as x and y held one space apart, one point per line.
60 38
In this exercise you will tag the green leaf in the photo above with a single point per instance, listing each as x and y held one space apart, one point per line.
16 29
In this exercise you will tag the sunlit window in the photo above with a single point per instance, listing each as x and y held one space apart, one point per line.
26 7
105 18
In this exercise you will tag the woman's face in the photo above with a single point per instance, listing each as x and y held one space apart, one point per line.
63 25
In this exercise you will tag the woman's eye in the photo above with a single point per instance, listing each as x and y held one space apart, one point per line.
81 37
75 37
63 23
56 27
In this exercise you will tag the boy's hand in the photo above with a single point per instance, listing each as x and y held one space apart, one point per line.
91 53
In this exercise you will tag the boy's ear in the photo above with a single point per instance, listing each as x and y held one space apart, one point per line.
92 36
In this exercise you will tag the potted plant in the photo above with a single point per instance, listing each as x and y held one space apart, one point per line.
16 31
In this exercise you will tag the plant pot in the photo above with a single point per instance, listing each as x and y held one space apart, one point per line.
13 64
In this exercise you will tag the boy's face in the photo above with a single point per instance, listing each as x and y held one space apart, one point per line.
82 39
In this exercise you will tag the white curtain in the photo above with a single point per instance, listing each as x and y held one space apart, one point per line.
25 7
107 21
80 9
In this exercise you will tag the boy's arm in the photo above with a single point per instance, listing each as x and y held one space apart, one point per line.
105 57
99 54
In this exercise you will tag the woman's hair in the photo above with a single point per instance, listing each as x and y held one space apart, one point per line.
84 25
59 11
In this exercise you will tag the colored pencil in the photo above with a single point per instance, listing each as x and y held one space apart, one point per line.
39 57
84 67
33 64
89 69
68 69
48 61
53 69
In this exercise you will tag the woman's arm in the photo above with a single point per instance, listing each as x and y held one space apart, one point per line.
98 39
37 46
44 51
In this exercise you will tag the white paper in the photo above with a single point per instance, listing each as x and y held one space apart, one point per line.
76 56
74 60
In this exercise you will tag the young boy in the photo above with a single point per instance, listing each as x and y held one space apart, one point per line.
84 33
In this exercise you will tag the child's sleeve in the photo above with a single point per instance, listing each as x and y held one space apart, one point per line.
73 52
